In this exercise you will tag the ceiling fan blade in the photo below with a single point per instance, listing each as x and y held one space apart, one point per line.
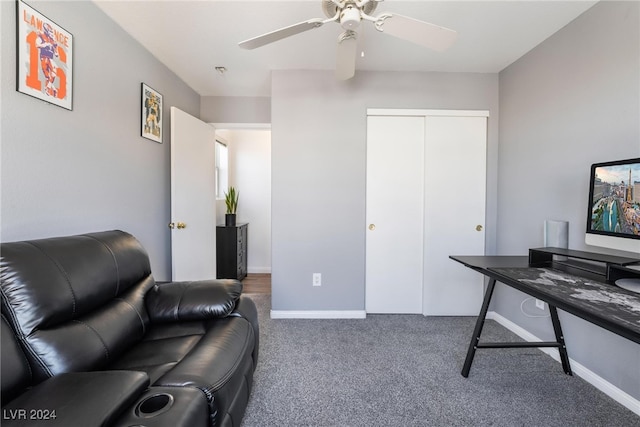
423 33
282 33
346 55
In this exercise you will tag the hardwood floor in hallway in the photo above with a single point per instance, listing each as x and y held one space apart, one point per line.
257 283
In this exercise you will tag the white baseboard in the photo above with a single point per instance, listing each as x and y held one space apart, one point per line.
259 270
583 372
318 314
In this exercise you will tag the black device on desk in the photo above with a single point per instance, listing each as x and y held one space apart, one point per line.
580 283
613 211
630 283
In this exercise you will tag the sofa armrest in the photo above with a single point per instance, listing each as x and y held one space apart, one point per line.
199 300
76 399
246 308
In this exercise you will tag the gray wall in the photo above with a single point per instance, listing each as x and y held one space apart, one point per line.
66 172
235 109
318 173
571 102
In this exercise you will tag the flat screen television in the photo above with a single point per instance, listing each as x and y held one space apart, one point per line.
613 217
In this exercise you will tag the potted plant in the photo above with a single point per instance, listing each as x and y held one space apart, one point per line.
231 200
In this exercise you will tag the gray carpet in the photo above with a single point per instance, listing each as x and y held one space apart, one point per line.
404 370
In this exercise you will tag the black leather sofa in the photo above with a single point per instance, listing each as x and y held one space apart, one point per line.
90 339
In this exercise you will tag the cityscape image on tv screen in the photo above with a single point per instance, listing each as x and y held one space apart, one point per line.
615 203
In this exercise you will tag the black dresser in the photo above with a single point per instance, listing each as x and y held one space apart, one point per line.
231 251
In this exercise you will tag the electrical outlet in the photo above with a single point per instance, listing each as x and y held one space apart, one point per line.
540 304
317 279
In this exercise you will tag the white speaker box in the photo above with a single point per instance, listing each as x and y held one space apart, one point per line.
556 234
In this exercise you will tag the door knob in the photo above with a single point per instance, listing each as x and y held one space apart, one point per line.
478 227
181 225
372 227
171 225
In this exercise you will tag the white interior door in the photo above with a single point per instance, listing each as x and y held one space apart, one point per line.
394 214
193 247
455 193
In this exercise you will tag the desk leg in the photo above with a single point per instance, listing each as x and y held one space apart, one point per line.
562 348
475 339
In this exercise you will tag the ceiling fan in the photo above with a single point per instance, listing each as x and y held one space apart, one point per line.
349 14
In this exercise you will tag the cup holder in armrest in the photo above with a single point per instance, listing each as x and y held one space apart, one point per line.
153 405
162 406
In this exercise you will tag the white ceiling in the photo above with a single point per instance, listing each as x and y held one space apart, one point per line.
193 37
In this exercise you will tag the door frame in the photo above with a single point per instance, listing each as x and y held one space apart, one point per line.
425 113
220 206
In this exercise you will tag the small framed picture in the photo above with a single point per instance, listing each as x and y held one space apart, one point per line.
152 124
45 58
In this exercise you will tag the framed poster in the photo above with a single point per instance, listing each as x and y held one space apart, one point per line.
45 58
151 125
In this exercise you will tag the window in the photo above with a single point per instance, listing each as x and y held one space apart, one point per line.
222 169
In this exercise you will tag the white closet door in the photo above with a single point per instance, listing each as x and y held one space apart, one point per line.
455 200
394 214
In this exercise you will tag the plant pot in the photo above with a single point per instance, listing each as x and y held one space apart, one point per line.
230 220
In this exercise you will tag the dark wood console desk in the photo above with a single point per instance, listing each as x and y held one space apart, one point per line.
231 251
580 283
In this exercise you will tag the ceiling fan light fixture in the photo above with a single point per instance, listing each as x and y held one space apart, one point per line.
350 17
330 7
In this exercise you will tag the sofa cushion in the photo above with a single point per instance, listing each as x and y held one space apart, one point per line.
215 356
200 354
93 341
199 300
76 302
161 349
51 281
16 373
